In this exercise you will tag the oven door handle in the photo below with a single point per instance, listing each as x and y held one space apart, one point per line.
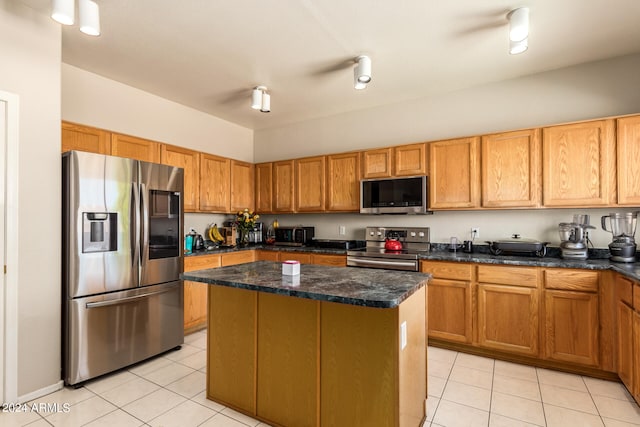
390 264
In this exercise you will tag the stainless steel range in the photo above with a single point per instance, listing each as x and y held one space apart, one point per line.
413 241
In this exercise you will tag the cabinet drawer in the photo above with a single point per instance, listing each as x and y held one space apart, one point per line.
233 258
267 256
201 262
331 260
514 276
447 270
301 257
571 280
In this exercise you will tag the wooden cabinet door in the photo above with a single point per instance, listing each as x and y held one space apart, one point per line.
215 183
195 293
571 327
288 380
343 182
377 163
231 345
132 147
189 160
454 174
578 164
242 186
450 310
410 160
511 171
85 138
309 183
508 318
263 188
283 186
628 149
636 356
267 256
624 328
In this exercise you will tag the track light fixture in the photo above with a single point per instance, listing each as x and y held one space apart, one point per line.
518 30
63 11
362 72
260 99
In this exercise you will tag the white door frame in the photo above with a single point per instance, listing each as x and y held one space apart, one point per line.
9 249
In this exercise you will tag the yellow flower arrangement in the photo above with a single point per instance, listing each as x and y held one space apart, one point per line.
246 220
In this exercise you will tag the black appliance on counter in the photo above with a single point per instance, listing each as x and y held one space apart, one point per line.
294 236
413 241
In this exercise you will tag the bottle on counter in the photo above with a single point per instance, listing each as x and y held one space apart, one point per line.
189 240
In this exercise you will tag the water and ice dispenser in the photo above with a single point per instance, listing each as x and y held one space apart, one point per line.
99 232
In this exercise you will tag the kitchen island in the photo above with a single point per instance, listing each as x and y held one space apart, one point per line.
331 346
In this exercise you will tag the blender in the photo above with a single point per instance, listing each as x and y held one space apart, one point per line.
575 237
623 228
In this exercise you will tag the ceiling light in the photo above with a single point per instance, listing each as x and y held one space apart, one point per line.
63 11
260 99
362 72
89 17
518 30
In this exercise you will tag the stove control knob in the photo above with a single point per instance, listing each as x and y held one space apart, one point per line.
421 234
379 233
413 234
371 233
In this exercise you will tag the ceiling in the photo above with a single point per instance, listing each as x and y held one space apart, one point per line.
209 54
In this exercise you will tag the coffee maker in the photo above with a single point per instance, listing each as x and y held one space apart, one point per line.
575 237
623 228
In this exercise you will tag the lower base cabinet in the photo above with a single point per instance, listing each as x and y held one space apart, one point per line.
635 391
625 335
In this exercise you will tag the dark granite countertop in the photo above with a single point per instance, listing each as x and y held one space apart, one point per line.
347 285
598 259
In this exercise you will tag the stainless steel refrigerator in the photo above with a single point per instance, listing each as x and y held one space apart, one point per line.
122 256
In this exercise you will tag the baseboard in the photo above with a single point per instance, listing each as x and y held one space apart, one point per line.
41 392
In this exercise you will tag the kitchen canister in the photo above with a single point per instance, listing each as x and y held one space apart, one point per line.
290 268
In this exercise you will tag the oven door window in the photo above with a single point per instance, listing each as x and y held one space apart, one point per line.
164 224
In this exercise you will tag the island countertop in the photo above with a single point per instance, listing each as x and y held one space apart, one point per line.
346 285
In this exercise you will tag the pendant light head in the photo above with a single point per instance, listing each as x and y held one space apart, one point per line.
518 30
362 72
89 17
63 11
260 99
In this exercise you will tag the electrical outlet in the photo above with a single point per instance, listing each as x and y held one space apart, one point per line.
342 230
403 335
475 233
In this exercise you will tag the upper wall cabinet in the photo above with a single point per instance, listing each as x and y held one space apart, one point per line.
283 186
511 169
377 163
343 182
132 147
454 174
628 146
578 163
189 160
215 180
309 184
85 138
410 160
242 186
263 187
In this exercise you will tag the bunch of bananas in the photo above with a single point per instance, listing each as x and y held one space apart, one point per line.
214 234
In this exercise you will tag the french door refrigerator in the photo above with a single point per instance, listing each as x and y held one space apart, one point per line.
122 256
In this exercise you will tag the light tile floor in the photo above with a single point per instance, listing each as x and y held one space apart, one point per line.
464 390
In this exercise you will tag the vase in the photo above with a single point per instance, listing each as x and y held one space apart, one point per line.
244 237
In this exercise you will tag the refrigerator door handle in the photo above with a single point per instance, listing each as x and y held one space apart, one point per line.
144 225
135 225
125 300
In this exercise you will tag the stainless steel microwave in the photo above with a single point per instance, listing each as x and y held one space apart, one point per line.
406 195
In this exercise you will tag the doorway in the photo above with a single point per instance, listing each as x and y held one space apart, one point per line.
8 252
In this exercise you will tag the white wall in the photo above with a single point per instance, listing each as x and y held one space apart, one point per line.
30 46
594 90
90 99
